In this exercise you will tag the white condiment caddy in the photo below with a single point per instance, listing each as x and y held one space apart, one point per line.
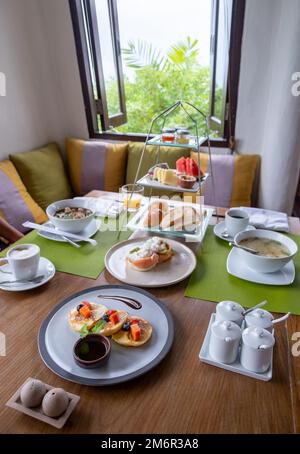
236 366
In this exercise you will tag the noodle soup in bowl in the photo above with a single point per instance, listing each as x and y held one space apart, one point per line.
274 250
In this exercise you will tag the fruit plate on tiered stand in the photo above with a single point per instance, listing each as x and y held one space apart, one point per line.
149 182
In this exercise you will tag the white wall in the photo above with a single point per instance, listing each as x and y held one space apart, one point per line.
268 116
43 99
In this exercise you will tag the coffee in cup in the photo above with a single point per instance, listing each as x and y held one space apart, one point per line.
236 220
23 260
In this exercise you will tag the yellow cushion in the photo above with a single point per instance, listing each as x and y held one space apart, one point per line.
16 204
96 164
233 178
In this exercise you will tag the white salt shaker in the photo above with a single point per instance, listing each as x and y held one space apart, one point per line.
257 347
230 311
260 318
224 341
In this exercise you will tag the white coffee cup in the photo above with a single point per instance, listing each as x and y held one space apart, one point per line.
236 220
23 260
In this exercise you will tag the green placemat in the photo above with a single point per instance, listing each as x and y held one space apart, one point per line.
87 261
210 280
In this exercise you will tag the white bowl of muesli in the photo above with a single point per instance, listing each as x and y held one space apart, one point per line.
70 215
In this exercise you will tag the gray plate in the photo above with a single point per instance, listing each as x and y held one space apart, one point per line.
56 340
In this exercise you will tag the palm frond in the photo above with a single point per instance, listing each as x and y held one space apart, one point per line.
141 54
184 51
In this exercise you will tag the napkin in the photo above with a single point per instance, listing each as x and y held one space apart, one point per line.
267 219
104 206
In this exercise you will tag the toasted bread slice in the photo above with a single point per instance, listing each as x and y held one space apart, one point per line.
78 321
181 218
124 338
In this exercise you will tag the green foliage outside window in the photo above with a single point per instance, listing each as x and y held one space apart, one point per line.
160 80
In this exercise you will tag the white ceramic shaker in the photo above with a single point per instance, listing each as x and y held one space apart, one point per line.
224 341
257 347
260 318
230 311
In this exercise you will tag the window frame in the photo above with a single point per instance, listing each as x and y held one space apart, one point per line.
94 108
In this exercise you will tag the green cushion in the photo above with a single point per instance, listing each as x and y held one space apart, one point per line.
43 174
167 154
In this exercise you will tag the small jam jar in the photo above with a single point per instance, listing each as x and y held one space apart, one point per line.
183 136
257 348
224 341
260 318
230 311
168 135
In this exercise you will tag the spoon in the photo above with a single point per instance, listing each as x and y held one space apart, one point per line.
225 234
254 307
247 249
70 241
281 319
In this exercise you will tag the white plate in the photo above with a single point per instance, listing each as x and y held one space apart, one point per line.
237 268
220 228
181 265
46 268
234 367
148 182
88 232
56 339
137 222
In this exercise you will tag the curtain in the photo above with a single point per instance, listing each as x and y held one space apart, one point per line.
268 116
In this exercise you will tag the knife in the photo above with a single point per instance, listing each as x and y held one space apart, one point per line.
42 228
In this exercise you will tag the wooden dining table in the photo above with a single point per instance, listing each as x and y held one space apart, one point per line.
181 395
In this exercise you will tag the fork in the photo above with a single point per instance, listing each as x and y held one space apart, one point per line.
37 279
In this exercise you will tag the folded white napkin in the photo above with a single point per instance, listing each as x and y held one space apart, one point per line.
267 219
104 206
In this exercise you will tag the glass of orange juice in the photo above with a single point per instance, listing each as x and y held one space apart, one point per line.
132 196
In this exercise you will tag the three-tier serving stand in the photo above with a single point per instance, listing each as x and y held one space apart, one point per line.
196 141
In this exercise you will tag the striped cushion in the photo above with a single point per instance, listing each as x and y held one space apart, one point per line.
96 165
233 176
16 205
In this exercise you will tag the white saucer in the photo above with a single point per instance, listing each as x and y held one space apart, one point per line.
88 232
220 228
46 268
237 268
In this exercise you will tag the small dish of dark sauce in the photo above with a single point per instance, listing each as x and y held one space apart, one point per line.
92 351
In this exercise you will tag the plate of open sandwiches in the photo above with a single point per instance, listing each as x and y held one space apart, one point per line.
150 262
135 327
172 217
